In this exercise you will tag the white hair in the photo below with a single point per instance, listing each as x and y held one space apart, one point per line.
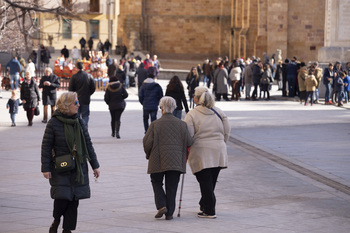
167 104
204 97
48 69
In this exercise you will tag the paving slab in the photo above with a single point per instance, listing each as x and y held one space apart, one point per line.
254 195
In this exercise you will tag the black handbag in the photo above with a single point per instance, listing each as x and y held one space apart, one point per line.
37 111
64 163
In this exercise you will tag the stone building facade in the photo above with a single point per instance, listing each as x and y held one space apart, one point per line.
234 28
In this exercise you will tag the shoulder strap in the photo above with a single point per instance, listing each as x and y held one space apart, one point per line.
216 113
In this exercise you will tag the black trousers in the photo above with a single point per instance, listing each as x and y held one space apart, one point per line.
69 211
207 179
115 118
168 197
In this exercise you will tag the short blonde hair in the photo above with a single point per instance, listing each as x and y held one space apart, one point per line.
65 100
48 69
167 104
204 97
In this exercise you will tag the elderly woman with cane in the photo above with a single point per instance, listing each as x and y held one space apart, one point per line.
165 145
209 127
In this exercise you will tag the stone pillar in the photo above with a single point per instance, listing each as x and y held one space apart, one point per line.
337 32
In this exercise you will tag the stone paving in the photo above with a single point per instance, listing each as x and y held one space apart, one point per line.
254 195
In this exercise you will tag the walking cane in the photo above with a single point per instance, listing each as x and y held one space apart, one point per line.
182 188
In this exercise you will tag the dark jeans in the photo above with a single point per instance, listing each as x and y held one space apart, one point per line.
84 112
291 86
255 92
146 114
115 119
168 197
311 95
207 179
69 211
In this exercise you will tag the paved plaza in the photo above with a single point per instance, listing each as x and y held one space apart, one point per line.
288 172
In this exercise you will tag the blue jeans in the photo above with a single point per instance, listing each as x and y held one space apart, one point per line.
291 85
146 114
327 95
341 95
178 113
84 112
205 80
14 78
316 94
13 118
127 81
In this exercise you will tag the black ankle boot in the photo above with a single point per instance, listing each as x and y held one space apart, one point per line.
66 231
113 134
54 226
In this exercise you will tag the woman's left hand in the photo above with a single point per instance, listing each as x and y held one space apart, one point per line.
96 173
47 175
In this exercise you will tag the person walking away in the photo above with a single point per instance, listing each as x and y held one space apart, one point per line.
303 73
67 134
175 89
284 77
192 81
83 83
114 97
310 84
30 97
149 97
121 75
100 46
14 68
141 74
210 129
257 75
126 68
328 78
235 77
220 81
106 46
13 104
339 87
165 145
49 83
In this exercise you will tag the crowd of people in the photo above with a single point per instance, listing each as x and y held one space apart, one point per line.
293 78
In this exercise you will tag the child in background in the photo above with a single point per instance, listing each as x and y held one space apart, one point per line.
310 83
13 104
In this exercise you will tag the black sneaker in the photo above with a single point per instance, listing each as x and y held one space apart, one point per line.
204 215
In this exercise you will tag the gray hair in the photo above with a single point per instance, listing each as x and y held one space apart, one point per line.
204 97
48 69
167 104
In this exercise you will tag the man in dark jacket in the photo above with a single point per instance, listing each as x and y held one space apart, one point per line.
65 52
149 96
292 73
82 43
83 84
141 74
257 74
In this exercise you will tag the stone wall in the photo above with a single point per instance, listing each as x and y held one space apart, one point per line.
198 29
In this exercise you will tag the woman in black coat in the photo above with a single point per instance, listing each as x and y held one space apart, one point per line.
30 97
175 89
65 134
115 98
192 81
49 83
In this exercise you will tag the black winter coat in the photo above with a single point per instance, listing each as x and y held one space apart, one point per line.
30 93
179 96
49 92
84 84
63 185
115 95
